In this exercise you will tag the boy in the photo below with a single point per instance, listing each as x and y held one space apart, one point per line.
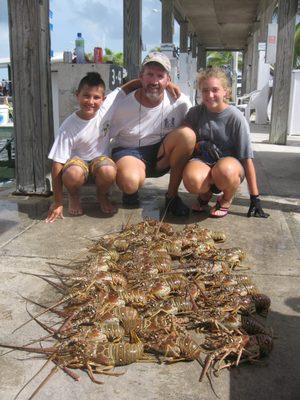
81 148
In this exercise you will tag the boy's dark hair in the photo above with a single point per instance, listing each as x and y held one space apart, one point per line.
91 79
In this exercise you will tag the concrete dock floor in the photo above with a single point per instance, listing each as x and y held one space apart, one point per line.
27 244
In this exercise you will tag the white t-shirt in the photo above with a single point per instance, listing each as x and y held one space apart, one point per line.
134 125
86 139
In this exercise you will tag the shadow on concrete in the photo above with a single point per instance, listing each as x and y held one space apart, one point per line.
260 128
278 173
152 206
34 211
276 377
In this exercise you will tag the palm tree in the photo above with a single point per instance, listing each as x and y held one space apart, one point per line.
115 58
222 58
297 48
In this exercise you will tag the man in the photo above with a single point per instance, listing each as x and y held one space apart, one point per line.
146 143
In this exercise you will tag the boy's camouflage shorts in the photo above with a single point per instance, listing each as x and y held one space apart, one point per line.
89 167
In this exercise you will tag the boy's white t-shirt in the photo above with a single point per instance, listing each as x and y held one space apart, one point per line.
86 139
135 125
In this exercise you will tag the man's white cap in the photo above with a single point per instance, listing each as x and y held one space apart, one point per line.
159 58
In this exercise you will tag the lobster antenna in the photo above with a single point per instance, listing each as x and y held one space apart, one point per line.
52 372
31 379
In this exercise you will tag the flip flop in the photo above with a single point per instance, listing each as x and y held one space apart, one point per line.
200 205
218 211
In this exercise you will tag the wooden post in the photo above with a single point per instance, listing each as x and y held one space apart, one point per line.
201 57
287 10
244 74
33 121
132 20
249 65
167 23
254 62
183 40
9 72
194 45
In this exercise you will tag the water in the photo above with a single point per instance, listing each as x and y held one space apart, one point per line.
6 168
6 133
3 154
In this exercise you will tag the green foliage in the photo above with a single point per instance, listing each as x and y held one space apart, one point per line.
115 58
222 58
157 48
297 48
110 56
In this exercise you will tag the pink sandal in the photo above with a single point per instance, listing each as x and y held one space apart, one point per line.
218 211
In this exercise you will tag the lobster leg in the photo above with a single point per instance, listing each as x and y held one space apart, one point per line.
207 364
91 375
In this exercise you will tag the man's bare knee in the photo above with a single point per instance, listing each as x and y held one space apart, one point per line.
181 141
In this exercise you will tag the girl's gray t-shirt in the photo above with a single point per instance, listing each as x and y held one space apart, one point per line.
228 130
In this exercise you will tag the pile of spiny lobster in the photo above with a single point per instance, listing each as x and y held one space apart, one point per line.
155 294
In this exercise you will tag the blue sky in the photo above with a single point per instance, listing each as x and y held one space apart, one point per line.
99 21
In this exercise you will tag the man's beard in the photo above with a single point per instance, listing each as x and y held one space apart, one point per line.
153 95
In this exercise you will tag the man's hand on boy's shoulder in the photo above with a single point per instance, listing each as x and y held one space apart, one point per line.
174 90
55 212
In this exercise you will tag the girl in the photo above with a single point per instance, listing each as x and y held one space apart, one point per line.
223 155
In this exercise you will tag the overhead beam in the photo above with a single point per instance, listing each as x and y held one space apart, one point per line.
31 76
209 48
132 38
167 23
178 13
287 10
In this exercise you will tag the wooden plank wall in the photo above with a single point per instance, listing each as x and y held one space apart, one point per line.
33 122
287 10
132 17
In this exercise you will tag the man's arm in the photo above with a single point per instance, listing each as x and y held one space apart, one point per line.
135 84
56 209
131 86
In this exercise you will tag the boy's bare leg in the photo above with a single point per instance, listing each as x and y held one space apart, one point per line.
73 178
105 176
